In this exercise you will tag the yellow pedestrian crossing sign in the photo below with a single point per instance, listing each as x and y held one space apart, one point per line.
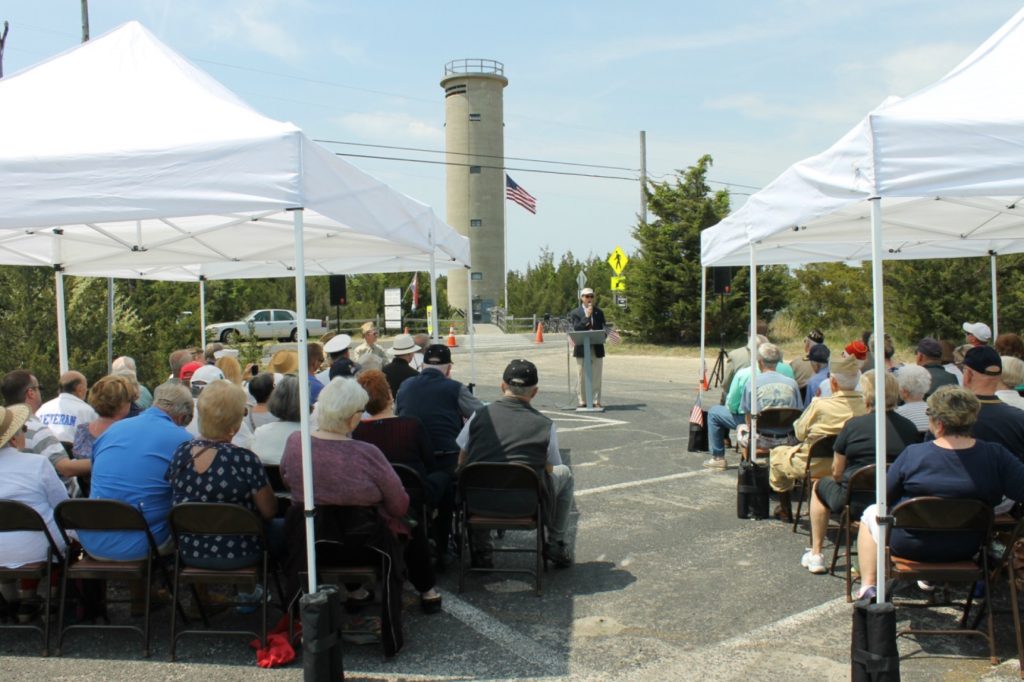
618 259
618 283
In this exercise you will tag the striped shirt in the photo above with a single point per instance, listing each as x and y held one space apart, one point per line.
41 440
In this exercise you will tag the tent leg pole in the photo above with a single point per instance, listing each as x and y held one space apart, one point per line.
470 325
754 408
995 296
702 380
110 324
62 324
878 303
303 376
435 337
202 312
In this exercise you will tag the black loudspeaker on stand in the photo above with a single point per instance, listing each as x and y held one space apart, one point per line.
338 293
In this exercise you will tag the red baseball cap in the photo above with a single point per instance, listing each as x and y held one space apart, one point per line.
188 370
857 349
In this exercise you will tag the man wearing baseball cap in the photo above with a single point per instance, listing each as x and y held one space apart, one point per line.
978 333
512 430
929 356
588 317
802 370
997 421
443 405
440 402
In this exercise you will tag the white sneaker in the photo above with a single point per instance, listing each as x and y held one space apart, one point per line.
716 463
815 563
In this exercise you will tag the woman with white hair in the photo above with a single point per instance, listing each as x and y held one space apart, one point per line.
914 381
353 473
1012 377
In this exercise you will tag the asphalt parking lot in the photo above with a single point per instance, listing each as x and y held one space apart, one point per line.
668 584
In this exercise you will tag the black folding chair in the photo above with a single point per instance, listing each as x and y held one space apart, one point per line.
501 496
822 448
281 492
862 481
208 519
105 516
19 517
948 517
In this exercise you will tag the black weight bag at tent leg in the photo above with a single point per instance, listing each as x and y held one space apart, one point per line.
321 635
874 656
752 490
698 440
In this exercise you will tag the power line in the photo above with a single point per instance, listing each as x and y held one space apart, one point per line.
483 156
474 165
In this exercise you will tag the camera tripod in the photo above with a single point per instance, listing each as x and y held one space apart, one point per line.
718 371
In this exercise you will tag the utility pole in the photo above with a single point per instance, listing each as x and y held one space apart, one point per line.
3 39
643 175
85 21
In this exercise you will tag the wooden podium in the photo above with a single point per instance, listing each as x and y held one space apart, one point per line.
587 339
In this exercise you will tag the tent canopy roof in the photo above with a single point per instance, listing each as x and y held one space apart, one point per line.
151 168
946 162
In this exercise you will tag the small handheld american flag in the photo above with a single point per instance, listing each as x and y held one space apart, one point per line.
697 413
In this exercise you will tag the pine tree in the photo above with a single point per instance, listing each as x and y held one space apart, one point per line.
663 288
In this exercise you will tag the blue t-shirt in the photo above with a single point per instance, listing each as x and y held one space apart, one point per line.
315 386
985 472
128 464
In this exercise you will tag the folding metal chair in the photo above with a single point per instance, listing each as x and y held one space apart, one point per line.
19 517
822 448
501 496
219 519
948 516
862 481
105 516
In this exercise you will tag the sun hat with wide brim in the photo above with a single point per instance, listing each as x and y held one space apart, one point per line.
12 418
404 344
284 362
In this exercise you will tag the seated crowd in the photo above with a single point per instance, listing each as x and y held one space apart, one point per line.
209 432
954 429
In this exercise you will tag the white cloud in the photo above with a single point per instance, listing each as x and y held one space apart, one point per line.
258 24
391 126
914 68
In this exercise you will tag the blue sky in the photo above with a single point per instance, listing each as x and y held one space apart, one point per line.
758 85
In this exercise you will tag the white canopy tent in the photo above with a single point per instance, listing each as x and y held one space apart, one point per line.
937 174
120 158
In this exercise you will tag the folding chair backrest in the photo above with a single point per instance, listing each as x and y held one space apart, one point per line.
214 518
274 478
823 447
411 479
862 480
777 418
18 516
944 514
504 489
98 515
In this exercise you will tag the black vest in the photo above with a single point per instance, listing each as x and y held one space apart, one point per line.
510 430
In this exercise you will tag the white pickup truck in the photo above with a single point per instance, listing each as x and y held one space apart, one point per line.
270 323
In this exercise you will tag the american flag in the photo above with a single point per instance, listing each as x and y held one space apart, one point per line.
414 286
697 414
519 195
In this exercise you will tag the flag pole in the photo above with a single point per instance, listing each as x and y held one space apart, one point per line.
504 235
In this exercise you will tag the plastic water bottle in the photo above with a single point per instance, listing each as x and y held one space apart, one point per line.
251 599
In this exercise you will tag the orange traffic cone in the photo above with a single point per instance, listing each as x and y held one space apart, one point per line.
540 332
452 343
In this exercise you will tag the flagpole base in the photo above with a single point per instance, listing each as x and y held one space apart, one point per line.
590 409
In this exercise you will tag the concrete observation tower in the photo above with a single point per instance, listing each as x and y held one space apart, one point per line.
475 187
